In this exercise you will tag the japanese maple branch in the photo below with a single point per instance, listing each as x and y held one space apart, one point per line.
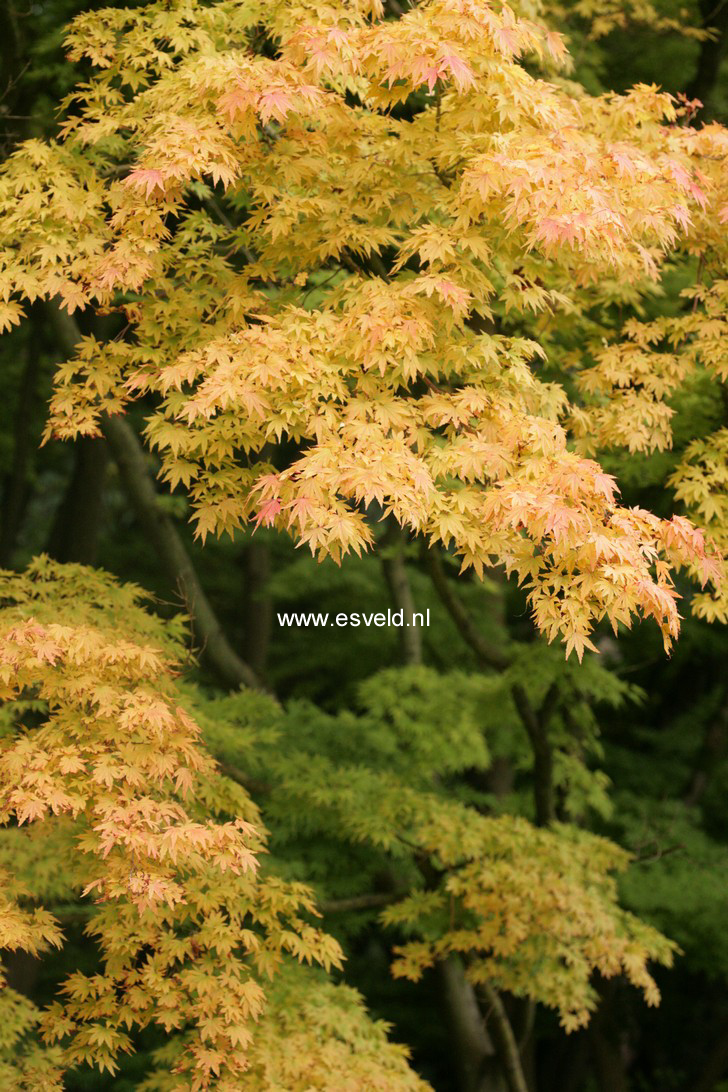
536 725
130 458
487 654
504 1038
359 902
214 645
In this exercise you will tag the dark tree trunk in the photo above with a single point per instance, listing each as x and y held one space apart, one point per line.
21 970
400 591
77 526
714 14
476 1064
608 1042
131 460
715 1064
16 490
257 606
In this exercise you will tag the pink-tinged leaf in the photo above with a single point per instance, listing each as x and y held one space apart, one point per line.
507 40
430 75
555 45
275 103
682 216
698 195
553 232
461 73
453 294
648 262
148 179
238 101
268 486
623 160
300 510
266 515
680 175
606 485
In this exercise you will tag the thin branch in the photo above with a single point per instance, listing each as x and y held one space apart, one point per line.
358 902
543 758
504 1038
253 785
487 654
159 529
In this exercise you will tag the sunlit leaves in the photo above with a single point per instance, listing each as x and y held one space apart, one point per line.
184 924
506 198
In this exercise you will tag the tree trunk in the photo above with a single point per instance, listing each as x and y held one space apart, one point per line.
714 15
77 525
257 606
395 573
715 1064
475 1056
15 492
608 1043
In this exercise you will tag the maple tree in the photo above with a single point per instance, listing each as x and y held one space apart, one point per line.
392 377
356 267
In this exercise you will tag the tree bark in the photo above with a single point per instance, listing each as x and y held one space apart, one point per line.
508 1052
715 1065
607 1043
543 757
214 646
487 654
475 1052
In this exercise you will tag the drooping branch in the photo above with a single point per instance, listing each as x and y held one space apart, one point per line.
536 725
504 1038
373 901
159 529
486 653
489 655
